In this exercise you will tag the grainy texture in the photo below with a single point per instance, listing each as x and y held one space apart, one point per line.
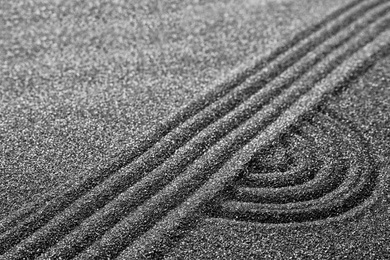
86 88
80 80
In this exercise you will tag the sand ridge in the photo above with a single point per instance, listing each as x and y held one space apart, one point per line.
154 190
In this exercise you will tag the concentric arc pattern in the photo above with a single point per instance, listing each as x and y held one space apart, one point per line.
321 169
198 158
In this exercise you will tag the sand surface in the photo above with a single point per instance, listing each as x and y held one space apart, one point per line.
195 129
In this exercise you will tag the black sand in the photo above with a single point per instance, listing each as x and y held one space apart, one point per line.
284 157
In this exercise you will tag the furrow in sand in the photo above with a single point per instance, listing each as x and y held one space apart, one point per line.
134 196
293 172
157 239
328 176
359 181
313 189
173 194
157 132
16 217
112 189
301 174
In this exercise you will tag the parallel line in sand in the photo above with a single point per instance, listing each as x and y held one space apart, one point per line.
38 220
99 223
157 132
150 212
113 212
157 239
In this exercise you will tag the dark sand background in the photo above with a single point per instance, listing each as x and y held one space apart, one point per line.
366 102
80 80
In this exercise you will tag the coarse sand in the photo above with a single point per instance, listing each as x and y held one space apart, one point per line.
195 129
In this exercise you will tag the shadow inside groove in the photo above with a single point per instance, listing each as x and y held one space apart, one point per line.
253 203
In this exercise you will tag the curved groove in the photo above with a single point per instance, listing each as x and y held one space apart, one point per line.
59 203
150 212
359 183
333 204
298 170
75 218
158 239
97 199
350 182
78 212
315 188
299 175
157 132
328 178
